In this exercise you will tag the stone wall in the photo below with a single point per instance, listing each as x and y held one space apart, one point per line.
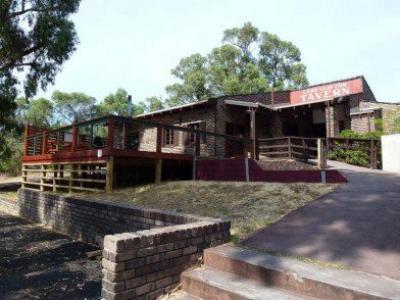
145 250
147 264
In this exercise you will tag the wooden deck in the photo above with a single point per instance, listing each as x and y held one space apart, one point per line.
82 156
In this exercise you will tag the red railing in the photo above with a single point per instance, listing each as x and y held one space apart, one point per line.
121 134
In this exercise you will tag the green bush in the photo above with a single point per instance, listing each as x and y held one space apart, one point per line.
348 133
357 157
359 154
10 154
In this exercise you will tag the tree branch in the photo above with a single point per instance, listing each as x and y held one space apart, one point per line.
26 52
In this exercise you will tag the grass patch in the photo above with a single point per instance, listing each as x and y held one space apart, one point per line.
249 206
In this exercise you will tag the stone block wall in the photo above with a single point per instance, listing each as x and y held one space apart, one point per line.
90 220
147 264
145 250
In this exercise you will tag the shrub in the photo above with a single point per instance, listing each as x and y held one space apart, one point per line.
356 157
10 154
348 133
359 154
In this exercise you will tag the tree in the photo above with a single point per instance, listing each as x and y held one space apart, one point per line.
73 107
154 103
228 74
36 38
247 62
192 73
118 104
37 112
280 62
245 38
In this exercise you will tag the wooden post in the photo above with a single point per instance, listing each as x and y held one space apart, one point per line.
194 168
305 156
55 175
111 128
159 139
328 146
290 155
123 138
197 145
373 155
24 175
246 169
71 178
43 174
44 142
26 143
158 173
74 143
110 174
321 155
253 132
327 119
347 144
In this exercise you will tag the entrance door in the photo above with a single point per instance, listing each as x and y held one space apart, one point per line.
234 148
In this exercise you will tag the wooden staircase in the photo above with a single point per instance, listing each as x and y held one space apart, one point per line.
240 274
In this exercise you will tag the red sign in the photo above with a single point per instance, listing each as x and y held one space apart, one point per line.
327 92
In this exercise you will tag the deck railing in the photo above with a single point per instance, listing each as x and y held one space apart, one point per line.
120 134
364 152
289 147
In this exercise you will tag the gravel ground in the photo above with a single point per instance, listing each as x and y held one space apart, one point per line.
39 264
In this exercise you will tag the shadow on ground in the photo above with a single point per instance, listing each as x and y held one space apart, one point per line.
357 226
40 264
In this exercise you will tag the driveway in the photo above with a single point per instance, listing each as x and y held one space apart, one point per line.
357 226
39 264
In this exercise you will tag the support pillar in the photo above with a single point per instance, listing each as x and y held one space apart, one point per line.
110 174
158 172
321 154
253 136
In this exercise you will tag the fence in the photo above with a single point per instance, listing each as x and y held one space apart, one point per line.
289 147
127 134
364 152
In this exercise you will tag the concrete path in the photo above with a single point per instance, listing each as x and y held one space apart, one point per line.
357 226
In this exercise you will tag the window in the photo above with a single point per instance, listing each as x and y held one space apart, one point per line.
169 137
191 136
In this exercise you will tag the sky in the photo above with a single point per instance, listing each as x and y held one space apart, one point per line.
134 44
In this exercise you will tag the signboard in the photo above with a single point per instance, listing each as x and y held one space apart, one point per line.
327 92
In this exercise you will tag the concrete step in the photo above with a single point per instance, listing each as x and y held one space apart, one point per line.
181 295
299 277
211 284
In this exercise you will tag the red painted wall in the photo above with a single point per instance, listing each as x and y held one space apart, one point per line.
234 170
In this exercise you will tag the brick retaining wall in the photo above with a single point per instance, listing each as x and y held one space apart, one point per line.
147 264
145 250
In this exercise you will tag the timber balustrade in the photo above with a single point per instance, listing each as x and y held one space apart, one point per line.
115 135
81 156
304 148
367 152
